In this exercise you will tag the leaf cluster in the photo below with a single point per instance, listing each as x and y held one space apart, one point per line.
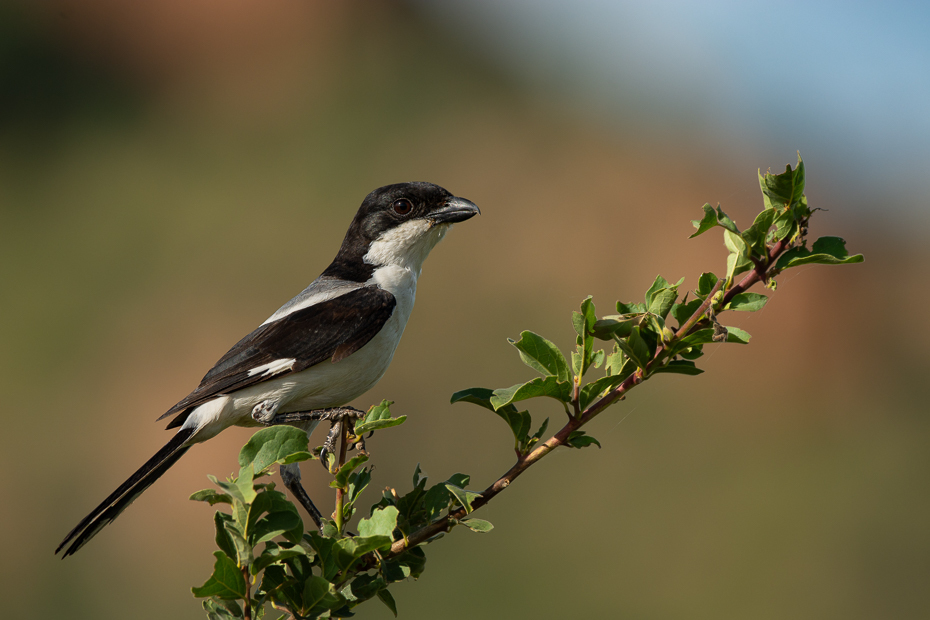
261 539
667 331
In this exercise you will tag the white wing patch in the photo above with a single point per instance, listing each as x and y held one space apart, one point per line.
273 368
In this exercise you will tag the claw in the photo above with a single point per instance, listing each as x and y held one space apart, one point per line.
329 446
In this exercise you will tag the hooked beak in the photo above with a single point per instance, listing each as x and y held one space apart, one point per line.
454 210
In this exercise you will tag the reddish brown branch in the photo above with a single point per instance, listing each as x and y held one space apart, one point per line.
247 610
758 274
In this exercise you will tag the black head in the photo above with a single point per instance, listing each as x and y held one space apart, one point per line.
418 209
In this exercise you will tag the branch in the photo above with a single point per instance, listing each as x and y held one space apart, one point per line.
758 274
247 608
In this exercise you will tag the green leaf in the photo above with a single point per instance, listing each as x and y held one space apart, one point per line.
583 322
410 563
240 489
738 260
219 609
358 482
282 516
713 218
591 391
638 349
245 483
617 361
747 302
691 353
786 224
578 439
319 595
459 479
518 421
705 223
357 546
526 446
364 587
341 480
417 472
209 495
477 525
657 285
682 312
540 386
699 337
661 296
630 308
280 588
735 334
781 191
615 325
377 418
680 367
826 251
756 235
706 284
463 496
275 554
242 549
385 597
226 582
542 356
435 501
271 445
476 396
706 336
381 523
223 539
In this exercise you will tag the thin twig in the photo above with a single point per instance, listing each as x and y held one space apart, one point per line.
247 611
340 492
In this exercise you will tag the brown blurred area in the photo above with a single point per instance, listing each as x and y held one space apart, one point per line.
172 172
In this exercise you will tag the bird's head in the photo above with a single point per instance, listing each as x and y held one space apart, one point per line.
399 224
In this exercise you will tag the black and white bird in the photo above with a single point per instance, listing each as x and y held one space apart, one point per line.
323 348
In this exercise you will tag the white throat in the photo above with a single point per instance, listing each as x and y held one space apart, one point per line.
406 246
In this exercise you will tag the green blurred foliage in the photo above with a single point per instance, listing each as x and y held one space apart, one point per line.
132 254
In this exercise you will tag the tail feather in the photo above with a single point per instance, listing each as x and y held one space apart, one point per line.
118 500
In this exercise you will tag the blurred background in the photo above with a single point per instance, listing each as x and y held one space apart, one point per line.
172 172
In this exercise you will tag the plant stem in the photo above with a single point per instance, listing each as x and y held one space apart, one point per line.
340 492
247 609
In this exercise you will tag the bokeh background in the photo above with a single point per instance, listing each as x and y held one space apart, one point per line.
172 172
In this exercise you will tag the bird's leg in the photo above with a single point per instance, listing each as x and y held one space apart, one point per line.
290 474
266 413
338 417
329 444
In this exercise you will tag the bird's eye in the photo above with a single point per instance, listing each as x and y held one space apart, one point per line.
402 206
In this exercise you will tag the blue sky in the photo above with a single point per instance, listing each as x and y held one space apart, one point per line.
847 81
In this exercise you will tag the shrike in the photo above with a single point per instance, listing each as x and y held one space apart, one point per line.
325 347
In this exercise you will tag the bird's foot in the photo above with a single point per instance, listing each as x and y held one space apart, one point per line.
337 417
264 412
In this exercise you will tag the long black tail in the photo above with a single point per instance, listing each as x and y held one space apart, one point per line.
112 506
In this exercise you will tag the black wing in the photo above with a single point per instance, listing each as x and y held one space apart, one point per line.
332 329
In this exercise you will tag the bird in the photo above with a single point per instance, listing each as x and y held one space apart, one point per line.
325 347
